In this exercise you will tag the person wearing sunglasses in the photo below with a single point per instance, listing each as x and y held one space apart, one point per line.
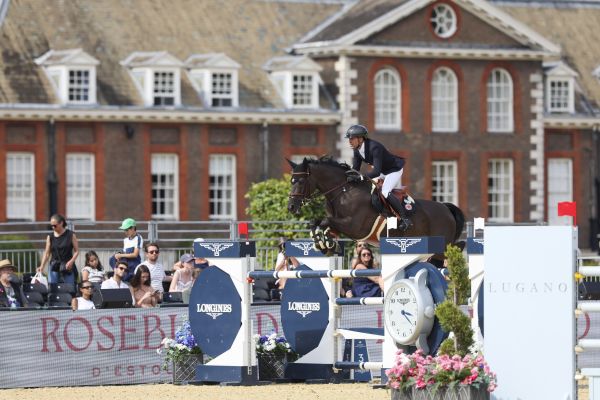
116 281
157 271
84 302
371 286
62 250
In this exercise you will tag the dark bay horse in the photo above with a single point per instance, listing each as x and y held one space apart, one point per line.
349 209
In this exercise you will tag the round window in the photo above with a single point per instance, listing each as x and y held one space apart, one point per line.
443 20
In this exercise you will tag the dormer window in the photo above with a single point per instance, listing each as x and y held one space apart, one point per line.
72 74
560 88
157 76
215 78
296 79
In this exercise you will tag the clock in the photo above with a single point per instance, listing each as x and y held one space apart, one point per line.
409 311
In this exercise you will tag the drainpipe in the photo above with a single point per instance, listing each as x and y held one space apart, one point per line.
265 143
595 169
52 178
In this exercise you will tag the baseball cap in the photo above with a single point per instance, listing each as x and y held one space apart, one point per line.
127 223
186 258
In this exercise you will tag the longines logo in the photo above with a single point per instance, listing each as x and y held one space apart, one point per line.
479 241
403 244
303 246
527 287
403 301
303 308
213 310
216 248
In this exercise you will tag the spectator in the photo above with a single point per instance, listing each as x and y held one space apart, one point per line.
185 293
371 286
183 277
357 248
93 270
116 281
84 302
144 295
62 250
157 272
132 247
11 292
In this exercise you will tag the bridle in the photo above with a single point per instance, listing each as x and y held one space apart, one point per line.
305 195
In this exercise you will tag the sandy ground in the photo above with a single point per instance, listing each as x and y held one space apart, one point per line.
345 391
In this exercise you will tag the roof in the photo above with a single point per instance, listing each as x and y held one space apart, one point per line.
249 32
575 28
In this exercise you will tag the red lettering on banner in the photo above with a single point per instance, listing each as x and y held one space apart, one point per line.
379 323
88 326
95 372
106 333
173 319
259 317
124 331
148 332
52 335
131 370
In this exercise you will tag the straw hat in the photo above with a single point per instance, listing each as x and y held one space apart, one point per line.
7 264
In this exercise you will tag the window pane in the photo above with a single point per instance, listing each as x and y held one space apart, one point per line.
444 185
302 90
387 100
444 101
164 88
79 86
560 188
165 186
559 95
500 190
499 102
222 90
80 186
20 200
222 194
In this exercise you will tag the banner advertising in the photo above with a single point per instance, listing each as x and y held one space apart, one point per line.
118 346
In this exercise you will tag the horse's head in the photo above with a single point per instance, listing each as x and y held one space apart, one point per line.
301 187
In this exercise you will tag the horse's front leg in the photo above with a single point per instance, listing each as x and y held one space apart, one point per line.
326 232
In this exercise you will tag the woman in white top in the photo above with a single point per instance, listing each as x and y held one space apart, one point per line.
93 270
85 301
183 277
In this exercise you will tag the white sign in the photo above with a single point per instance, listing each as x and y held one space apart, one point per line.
529 311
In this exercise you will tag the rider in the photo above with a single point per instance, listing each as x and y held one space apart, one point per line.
383 163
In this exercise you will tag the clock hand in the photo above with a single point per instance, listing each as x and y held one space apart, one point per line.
406 314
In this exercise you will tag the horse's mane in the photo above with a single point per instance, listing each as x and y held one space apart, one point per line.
327 160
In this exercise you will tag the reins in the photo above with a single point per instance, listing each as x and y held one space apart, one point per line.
307 197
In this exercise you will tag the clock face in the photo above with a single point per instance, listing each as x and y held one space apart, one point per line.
402 313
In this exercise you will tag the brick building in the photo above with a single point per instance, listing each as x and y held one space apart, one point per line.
170 110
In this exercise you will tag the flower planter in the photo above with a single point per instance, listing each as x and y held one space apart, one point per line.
459 392
184 369
271 366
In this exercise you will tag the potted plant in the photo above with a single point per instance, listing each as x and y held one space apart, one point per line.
273 353
183 353
458 371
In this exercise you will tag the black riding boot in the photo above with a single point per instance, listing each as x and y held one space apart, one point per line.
405 222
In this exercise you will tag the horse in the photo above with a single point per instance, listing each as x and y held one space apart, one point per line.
349 209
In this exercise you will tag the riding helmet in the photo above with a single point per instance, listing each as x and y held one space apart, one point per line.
356 130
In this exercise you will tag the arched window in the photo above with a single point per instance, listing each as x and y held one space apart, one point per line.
444 101
499 101
387 100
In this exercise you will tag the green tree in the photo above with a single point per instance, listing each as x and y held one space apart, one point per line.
449 314
268 201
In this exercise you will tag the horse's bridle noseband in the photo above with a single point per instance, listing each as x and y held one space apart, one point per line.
306 197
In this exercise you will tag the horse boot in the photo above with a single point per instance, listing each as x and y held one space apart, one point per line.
397 205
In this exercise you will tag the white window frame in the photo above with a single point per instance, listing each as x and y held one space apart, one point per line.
20 186
444 181
569 98
173 92
304 90
222 206
388 99
231 95
500 190
560 188
80 186
444 101
90 88
444 26
165 164
500 101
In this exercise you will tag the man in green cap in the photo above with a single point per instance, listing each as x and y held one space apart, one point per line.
132 247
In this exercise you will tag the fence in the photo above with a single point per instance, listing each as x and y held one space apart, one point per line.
23 242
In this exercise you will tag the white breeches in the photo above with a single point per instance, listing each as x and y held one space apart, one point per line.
391 182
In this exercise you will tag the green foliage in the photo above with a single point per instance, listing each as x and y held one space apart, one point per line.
459 276
450 316
268 201
27 259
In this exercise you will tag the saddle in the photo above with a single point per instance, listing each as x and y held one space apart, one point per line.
381 204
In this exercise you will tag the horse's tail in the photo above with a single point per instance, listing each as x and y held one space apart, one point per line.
459 217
